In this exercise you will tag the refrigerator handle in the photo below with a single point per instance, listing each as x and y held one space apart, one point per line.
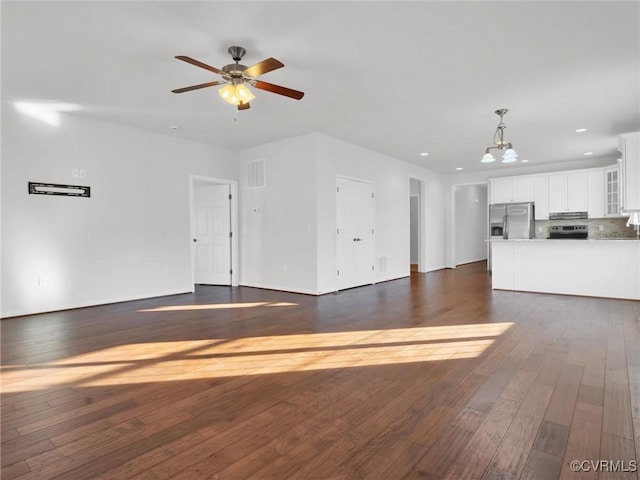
505 229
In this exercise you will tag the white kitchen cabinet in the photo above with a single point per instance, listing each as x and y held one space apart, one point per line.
501 190
557 193
523 189
611 193
629 146
578 192
595 268
512 189
568 192
596 199
541 196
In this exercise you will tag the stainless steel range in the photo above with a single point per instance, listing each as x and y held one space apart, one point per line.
559 232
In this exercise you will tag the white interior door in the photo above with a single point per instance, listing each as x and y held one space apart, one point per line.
355 253
212 234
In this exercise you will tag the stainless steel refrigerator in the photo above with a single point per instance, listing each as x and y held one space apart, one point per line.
510 221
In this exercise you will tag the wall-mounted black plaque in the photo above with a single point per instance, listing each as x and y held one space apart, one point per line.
57 189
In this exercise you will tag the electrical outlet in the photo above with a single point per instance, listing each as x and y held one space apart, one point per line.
601 228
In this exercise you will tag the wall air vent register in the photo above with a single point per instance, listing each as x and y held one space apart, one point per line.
255 174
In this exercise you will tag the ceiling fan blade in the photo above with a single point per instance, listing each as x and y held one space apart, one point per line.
196 87
270 87
197 63
244 106
263 67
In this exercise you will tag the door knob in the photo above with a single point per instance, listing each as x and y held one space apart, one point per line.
195 240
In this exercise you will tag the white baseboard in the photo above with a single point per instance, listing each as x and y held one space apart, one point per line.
325 292
471 261
397 277
280 288
93 303
312 292
442 267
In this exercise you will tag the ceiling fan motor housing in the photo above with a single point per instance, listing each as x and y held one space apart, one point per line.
236 52
233 71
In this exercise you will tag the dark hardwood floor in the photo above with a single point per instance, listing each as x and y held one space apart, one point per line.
431 377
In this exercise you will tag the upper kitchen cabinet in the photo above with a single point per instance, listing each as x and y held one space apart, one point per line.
512 189
596 187
568 192
611 192
541 196
501 190
629 146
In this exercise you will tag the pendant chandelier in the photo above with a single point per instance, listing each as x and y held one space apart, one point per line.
509 155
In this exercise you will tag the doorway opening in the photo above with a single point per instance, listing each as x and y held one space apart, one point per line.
470 223
214 221
417 247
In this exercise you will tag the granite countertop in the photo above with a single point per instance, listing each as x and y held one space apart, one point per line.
599 240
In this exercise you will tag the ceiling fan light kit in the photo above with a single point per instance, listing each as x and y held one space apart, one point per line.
509 155
236 94
236 77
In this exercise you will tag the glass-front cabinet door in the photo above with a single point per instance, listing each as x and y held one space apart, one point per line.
612 190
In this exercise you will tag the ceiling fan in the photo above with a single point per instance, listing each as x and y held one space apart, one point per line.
235 76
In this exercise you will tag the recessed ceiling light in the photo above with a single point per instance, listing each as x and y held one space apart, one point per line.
588 153
458 168
581 130
424 154
174 127
524 161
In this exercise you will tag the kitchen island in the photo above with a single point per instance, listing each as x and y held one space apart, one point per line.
599 268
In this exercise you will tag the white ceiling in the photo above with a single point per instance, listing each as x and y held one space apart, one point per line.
396 77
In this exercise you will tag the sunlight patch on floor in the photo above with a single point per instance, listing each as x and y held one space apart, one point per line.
215 358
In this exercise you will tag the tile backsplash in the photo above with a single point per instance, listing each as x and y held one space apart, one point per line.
612 227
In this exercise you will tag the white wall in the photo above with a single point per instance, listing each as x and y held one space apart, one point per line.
470 223
391 185
414 213
129 240
278 246
436 192
300 201
391 178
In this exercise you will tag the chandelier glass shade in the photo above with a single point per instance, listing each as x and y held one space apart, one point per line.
236 94
509 155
